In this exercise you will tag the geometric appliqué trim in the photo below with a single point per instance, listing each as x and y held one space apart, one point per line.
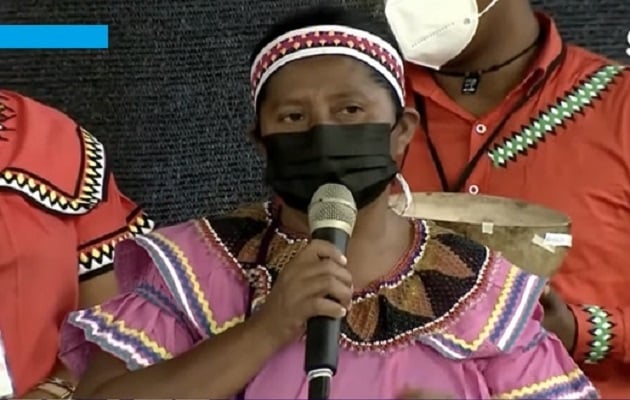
100 252
90 188
574 102
601 331
6 113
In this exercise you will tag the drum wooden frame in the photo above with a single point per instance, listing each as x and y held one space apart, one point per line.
531 236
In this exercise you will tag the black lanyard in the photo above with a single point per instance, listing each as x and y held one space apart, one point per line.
470 166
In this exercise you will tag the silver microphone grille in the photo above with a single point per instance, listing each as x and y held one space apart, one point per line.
332 206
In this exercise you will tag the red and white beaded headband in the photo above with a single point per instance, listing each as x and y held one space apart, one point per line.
328 40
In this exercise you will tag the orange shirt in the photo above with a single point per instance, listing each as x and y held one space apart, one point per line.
60 216
567 146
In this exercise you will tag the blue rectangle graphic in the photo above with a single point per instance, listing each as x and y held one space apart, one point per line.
54 36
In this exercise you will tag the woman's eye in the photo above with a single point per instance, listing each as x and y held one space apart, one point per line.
292 117
352 109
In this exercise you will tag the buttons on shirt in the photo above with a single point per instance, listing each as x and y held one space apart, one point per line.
481 129
473 189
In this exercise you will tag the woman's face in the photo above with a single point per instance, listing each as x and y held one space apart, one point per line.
330 90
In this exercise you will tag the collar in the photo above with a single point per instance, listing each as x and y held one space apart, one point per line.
48 158
420 80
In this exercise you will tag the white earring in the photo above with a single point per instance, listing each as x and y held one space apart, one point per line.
406 191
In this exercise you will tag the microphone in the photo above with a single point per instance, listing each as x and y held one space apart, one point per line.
331 217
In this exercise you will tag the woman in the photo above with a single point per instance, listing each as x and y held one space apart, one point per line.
214 308
61 215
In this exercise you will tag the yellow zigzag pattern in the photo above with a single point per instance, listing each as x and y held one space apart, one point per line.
121 327
538 387
494 316
200 297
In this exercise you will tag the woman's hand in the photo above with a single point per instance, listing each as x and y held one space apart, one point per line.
314 283
559 318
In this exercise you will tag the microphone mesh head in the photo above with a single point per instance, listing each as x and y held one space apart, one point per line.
332 206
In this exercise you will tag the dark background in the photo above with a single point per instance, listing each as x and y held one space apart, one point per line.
170 98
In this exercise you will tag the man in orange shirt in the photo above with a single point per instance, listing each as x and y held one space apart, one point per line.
509 109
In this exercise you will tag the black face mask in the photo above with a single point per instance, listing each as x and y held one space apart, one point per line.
357 156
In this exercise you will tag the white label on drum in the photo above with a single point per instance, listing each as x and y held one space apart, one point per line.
558 239
6 386
487 228
539 241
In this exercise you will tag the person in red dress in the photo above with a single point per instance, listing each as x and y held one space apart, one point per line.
61 215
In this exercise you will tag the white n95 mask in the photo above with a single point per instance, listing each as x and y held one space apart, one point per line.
431 33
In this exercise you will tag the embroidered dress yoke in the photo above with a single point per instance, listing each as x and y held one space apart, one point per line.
451 317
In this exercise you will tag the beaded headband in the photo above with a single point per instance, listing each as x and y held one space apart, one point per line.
328 40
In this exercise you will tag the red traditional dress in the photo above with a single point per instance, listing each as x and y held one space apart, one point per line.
61 215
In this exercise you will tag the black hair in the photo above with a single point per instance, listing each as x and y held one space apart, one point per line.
334 15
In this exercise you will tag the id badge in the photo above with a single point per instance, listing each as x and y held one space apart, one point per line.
6 385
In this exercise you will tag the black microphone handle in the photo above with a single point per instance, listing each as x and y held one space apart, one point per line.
322 333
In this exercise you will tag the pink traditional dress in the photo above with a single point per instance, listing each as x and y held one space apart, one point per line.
451 317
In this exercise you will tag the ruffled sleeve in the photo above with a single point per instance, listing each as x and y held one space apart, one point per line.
538 367
502 332
175 292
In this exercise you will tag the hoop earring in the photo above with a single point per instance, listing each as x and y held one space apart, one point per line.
406 191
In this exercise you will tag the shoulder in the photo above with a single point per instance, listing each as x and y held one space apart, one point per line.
602 91
497 302
198 265
52 160
587 96
26 107
177 286
189 245
596 80
244 223
452 294
445 248
192 254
